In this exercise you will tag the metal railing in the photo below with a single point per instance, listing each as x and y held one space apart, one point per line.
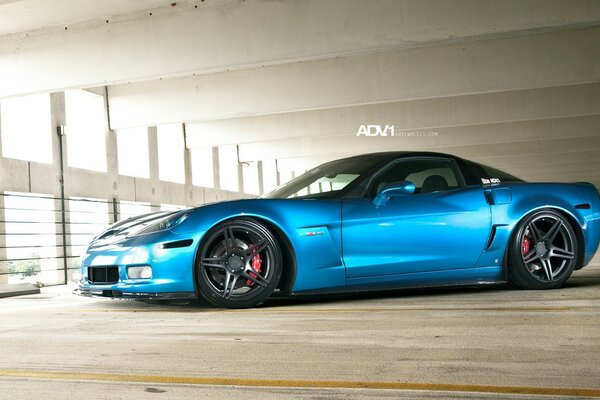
42 237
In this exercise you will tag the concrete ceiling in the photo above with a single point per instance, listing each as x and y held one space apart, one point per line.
63 44
19 16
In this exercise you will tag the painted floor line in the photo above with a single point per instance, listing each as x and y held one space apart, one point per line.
287 383
275 310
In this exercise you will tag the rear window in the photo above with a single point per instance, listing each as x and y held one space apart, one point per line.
493 175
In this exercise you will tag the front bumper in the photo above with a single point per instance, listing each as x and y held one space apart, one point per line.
117 294
172 267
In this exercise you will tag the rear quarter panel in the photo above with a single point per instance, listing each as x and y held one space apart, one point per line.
563 197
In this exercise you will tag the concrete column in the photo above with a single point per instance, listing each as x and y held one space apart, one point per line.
153 160
58 119
261 185
112 166
59 149
216 170
114 209
240 168
62 264
187 168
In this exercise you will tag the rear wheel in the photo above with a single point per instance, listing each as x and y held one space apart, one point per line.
240 264
543 252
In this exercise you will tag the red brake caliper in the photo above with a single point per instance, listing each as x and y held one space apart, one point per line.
256 265
526 245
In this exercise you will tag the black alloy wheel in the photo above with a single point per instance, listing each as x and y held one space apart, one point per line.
543 253
239 265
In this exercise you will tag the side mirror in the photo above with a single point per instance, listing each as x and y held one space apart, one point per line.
393 189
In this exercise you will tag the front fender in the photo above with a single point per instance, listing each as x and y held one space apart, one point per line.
312 227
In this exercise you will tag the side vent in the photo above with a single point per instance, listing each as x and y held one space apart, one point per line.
179 243
491 238
497 196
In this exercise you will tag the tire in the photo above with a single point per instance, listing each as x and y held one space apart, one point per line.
239 264
543 251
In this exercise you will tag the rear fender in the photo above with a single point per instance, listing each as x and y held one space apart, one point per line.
529 198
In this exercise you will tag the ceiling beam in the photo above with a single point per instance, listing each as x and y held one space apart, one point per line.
233 34
524 137
483 66
517 105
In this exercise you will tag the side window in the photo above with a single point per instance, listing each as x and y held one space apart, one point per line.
429 175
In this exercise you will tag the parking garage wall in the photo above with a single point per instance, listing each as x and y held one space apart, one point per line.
42 236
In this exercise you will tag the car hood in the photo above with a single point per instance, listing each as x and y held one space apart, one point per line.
128 227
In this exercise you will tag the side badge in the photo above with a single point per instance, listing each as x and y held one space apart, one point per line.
313 233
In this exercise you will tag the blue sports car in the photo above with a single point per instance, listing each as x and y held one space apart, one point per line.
375 221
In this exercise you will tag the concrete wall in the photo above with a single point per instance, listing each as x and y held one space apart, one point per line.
33 177
514 84
40 178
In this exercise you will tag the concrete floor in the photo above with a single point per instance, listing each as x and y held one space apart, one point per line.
442 344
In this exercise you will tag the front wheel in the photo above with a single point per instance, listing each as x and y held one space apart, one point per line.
239 264
543 252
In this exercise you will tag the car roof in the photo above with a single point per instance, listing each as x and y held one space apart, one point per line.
390 155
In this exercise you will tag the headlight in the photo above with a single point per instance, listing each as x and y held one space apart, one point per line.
172 221
166 223
141 272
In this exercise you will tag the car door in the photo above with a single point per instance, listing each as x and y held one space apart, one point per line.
443 225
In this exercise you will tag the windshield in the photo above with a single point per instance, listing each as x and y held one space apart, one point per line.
324 181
